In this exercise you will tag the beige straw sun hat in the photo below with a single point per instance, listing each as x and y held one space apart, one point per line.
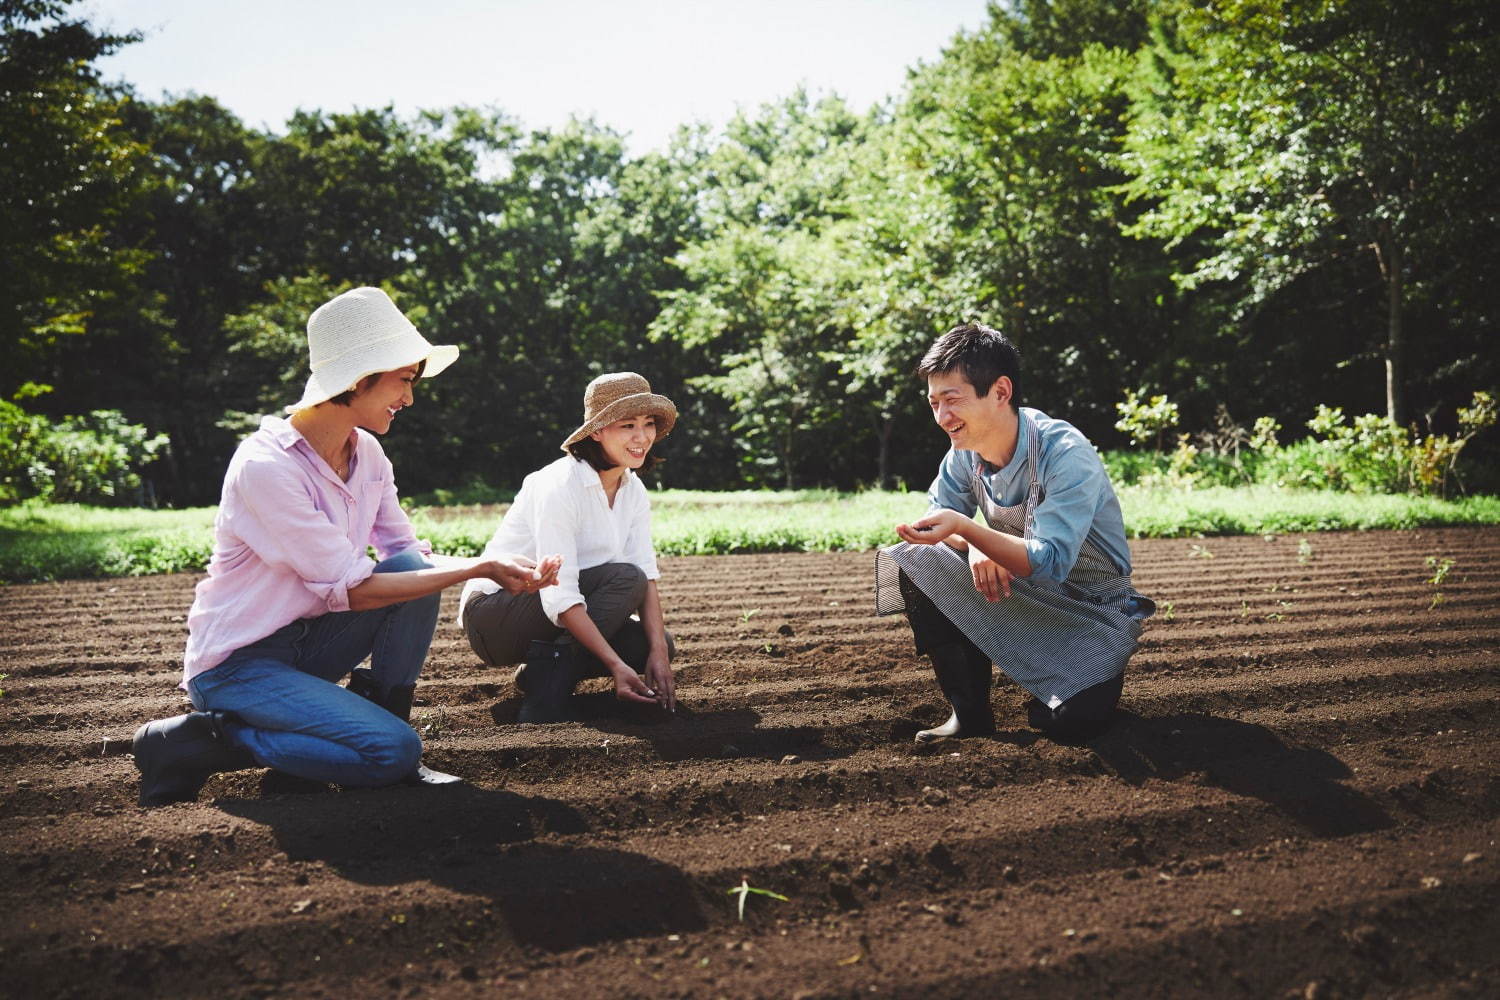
617 395
359 333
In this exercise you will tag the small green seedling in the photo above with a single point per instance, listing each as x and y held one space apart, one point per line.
432 725
1244 609
748 613
1199 552
1440 569
744 889
1168 611
1304 552
2 690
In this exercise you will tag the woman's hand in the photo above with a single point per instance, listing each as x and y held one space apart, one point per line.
990 578
659 677
932 528
547 571
630 687
520 575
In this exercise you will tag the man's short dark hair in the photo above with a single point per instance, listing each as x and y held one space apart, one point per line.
592 452
347 396
982 354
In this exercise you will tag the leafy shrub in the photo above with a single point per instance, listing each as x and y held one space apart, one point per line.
86 459
1126 468
1372 454
1145 419
23 438
1369 454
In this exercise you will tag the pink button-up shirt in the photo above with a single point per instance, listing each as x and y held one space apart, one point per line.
290 539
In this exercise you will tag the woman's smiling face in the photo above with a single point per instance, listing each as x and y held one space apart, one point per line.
376 406
627 442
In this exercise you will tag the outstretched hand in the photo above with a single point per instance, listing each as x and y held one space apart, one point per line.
520 575
931 528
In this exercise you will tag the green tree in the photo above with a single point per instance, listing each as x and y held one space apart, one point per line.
905 289
1291 136
1023 145
68 169
766 281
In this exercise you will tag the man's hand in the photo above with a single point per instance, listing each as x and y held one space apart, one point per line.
990 578
932 528
659 678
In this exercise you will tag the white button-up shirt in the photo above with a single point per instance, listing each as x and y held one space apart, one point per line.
562 510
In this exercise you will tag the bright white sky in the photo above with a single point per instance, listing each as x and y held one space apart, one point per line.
639 67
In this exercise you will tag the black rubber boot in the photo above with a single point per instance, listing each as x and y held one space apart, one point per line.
1082 717
398 702
547 679
175 756
629 643
963 673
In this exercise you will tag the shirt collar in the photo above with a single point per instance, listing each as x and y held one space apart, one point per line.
288 438
588 477
281 431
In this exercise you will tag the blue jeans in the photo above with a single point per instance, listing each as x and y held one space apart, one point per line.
291 713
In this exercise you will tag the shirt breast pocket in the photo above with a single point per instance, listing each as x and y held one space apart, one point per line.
362 519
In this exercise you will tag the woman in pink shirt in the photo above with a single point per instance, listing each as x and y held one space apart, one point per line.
292 602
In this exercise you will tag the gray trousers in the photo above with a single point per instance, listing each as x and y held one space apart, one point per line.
500 626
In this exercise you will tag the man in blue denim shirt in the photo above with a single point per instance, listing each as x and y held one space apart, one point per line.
1040 582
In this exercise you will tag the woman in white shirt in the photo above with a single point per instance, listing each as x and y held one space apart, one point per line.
590 508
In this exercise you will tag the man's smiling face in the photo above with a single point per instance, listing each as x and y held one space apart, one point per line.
966 417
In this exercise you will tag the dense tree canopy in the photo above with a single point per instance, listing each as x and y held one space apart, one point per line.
1259 205
69 172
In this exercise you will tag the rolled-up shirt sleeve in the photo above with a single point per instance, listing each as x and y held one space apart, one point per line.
556 532
953 489
277 517
1074 484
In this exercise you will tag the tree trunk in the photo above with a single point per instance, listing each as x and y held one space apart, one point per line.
1395 335
786 454
883 462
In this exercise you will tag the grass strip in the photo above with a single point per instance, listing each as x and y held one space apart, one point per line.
40 542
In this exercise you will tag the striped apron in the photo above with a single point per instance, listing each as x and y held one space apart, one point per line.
1052 638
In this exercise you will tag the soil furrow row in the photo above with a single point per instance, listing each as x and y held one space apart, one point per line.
1297 798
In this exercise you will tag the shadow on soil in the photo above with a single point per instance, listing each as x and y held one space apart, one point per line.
479 842
689 734
1245 759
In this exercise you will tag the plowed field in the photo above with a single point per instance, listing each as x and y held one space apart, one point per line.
1301 798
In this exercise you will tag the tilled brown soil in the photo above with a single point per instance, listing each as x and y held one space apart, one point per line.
1301 798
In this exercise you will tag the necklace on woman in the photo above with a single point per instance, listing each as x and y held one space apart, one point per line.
339 461
342 454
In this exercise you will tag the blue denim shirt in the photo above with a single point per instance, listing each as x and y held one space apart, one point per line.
1077 499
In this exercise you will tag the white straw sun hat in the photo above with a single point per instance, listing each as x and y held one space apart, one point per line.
359 333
